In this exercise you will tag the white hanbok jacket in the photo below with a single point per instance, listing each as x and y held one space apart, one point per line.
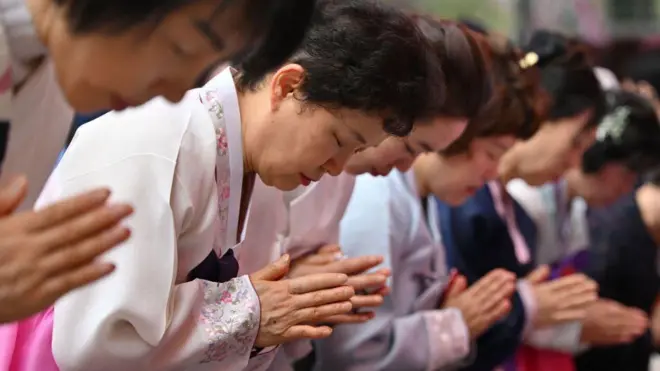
181 167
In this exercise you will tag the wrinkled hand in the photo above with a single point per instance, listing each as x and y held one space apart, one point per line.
369 287
287 305
610 323
562 300
483 303
45 254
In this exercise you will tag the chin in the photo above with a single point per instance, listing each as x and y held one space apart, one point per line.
283 184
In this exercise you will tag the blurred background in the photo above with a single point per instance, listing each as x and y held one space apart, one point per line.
624 34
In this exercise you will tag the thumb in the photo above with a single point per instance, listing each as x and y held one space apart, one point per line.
540 274
12 195
457 286
273 271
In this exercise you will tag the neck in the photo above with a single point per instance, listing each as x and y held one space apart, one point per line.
250 116
507 168
420 181
648 199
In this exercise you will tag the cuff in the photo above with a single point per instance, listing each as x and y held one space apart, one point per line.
230 317
563 338
448 336
528 299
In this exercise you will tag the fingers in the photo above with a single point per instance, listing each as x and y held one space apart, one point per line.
353 266
328 296
86 225
491 283
498 292
457 286
540 274
274 271
316 282
349 318
329 249
12 195
71 257
316 314
55 287
306 332
499 311
365 301
367 281
67 209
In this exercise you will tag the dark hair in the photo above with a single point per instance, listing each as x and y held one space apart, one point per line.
566 76
275 27
629 134
515 103
463 62
364 55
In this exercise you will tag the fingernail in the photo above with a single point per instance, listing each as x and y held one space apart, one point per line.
339 256
285 258
376 259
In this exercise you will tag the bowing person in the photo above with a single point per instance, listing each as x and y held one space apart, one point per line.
57 56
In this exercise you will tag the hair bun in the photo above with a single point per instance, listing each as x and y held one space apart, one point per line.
548 47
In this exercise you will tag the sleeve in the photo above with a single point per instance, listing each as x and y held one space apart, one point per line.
141 317
563 338
469 240
397 338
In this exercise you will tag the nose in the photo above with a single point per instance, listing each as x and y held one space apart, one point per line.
333 168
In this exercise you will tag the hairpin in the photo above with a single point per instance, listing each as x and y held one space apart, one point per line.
613 125
529 60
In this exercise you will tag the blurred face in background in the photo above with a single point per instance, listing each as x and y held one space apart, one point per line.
603 187
555 148
400 153
453 179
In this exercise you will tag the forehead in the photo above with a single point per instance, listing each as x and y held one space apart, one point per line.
438 133
360 125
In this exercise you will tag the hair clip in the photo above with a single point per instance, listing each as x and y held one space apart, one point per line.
529 60
613 125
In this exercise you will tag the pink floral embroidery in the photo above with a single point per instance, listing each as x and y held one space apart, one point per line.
231 312
212 100
226 297
231 318
221 139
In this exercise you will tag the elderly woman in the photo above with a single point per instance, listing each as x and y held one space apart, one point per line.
86 55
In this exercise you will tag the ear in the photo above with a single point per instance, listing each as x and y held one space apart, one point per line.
285 82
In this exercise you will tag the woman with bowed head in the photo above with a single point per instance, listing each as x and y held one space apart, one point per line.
57 56
189 168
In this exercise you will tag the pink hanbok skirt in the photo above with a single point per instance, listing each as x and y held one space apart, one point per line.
26 345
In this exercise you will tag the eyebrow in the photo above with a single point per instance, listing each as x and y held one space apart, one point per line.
207 30
205 27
